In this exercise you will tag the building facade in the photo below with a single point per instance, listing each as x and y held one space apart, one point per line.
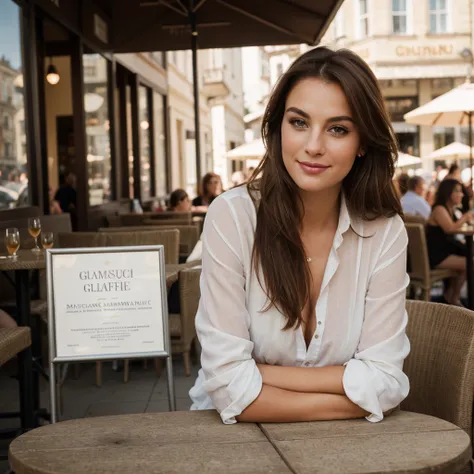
418 49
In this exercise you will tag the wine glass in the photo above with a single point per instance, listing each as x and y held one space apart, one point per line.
34 228
47 240
12 241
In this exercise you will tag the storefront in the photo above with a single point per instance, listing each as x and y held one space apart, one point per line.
62 98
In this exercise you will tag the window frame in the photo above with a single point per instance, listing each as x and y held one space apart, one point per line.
408 14
360 17
438 12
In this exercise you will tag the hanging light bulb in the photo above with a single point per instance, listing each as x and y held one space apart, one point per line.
52 75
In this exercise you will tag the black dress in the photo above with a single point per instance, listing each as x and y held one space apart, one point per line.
199 201
442 245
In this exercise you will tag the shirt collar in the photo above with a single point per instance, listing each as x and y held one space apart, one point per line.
344 221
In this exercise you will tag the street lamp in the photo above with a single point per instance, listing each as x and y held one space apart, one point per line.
52 74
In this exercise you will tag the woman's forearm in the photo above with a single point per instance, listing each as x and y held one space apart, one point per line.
301 379
278 405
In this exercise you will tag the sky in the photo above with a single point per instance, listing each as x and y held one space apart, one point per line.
10 45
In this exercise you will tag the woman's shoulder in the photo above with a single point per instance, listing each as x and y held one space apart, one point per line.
235 203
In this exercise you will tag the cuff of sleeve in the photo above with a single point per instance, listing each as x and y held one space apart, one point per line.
244 387
363 389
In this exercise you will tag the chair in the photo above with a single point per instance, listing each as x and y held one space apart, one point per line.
414 219
17 342
420 275
72 240
440 365
113 221
169 238
181 326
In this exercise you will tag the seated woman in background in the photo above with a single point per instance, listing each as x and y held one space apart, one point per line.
211 187
179 201
444 251
455 173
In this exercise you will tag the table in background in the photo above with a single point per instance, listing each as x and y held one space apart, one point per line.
468 233
21 266
186 442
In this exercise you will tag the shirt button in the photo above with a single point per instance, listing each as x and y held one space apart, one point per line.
316 336
319 322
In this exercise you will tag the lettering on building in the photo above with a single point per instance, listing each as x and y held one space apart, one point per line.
435 51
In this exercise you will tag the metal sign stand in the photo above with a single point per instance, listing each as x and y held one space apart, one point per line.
55 378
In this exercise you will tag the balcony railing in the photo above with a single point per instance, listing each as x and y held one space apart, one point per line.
215 83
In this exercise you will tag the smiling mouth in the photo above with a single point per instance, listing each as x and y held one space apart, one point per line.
312 168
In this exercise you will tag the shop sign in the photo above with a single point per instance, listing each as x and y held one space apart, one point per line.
428 51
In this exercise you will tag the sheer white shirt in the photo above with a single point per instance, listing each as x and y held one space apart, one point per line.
361 315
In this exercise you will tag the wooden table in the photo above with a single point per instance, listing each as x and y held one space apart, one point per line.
198 442
468 233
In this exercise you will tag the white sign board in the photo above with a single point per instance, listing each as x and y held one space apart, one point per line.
108 303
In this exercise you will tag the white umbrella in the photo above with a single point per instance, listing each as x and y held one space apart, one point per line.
451 109
404 159
248 151
455 151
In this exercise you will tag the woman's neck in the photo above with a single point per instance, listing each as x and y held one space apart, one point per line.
321 209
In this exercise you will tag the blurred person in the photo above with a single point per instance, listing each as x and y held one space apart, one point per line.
54 206
455 173
179 201
211 187
402 181
66 195
302 313
6 321
237 178
413 201
444 251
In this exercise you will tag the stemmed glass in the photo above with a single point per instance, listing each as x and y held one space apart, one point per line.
34 228
12 241
47 239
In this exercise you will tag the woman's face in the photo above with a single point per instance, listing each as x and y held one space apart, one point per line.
456 196
319 138
213 186
184 205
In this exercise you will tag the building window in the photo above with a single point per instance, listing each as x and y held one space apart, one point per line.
99 161
438 16
145 155
339 25
363 18
13 162
160 143
400 22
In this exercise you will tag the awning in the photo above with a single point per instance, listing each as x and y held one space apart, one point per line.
160 25
249 151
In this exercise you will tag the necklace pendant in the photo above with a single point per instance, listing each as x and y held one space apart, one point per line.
309 259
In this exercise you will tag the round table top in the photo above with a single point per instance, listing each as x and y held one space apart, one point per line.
464 230
28 260
197 441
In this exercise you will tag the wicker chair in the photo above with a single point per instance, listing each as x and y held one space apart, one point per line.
440 365
17 342
181 326
168 238
420 274
414 219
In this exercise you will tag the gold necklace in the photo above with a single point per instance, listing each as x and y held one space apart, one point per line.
309 259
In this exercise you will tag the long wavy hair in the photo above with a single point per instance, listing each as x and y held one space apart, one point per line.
278 252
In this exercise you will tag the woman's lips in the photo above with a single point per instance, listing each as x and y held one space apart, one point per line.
312 168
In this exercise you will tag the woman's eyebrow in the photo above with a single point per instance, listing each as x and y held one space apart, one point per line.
298 111
340 118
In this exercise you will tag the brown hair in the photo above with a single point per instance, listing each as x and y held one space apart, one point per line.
177 196
205 183
278 251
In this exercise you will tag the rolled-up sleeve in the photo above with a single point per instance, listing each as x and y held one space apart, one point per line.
374 377
232 378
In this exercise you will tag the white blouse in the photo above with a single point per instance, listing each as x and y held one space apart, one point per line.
361 316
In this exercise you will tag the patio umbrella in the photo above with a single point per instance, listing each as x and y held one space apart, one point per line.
453 151
249 151
404 159
164 25
449 110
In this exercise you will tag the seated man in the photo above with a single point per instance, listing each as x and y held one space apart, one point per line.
413 201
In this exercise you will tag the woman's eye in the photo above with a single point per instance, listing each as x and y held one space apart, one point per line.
338 131
298 123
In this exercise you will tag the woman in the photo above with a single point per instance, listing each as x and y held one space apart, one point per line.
302 313
444 251
455 173
211 187
179 201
